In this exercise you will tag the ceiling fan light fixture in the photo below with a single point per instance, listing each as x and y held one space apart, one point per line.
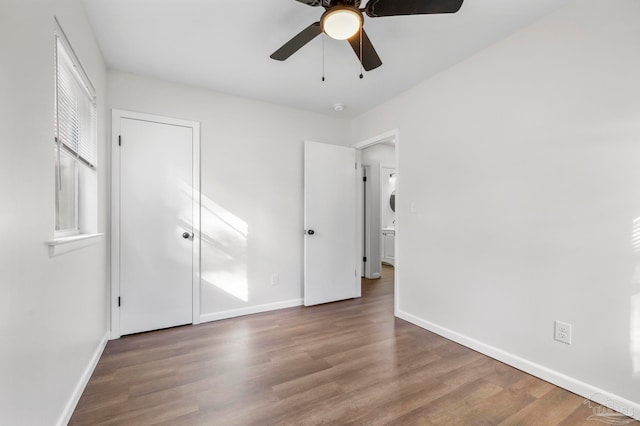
341 23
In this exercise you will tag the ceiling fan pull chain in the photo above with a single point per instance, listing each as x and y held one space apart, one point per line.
361 75
322 57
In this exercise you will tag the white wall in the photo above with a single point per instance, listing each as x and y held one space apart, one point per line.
523 166
252 188
53 315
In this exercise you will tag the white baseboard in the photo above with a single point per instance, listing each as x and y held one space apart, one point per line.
82 382
232 313
606 399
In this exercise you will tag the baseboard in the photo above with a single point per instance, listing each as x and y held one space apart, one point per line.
82 382
600 396
232 313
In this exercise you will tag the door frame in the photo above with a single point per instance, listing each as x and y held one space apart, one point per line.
116 116
391 136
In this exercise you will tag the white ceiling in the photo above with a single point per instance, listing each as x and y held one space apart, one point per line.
224 45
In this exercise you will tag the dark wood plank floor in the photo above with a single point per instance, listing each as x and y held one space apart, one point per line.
348 362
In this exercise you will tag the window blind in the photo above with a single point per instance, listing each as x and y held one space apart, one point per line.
75 118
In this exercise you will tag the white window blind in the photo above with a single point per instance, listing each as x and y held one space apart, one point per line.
75 119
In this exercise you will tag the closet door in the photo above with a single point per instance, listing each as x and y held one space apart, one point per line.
156 225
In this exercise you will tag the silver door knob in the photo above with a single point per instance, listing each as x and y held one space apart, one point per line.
186 235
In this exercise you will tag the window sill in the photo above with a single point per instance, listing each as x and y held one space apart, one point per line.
63 245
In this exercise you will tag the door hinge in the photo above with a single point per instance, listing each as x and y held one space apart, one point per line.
119 140
364 178
118 300
356 165
364 259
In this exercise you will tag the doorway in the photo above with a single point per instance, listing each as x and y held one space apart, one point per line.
379 223
156 223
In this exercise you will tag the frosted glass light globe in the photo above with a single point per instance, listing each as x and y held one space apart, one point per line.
341 23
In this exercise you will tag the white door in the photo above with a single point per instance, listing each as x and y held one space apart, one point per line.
156 225
330 242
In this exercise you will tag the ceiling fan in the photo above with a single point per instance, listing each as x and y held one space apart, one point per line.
343 20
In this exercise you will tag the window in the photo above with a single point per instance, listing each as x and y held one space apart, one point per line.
75 148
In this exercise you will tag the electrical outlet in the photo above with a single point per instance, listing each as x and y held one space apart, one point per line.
562 332
275 279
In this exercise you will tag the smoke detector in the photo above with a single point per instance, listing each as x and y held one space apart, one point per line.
338 107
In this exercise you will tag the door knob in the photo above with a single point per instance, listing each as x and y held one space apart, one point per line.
186 235
310 232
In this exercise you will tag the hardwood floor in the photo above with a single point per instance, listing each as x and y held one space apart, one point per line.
347 362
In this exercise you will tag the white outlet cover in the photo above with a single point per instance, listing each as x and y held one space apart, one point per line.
562 332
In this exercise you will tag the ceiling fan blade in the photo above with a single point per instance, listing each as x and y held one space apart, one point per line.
379 8
311 2
293 45
370 58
